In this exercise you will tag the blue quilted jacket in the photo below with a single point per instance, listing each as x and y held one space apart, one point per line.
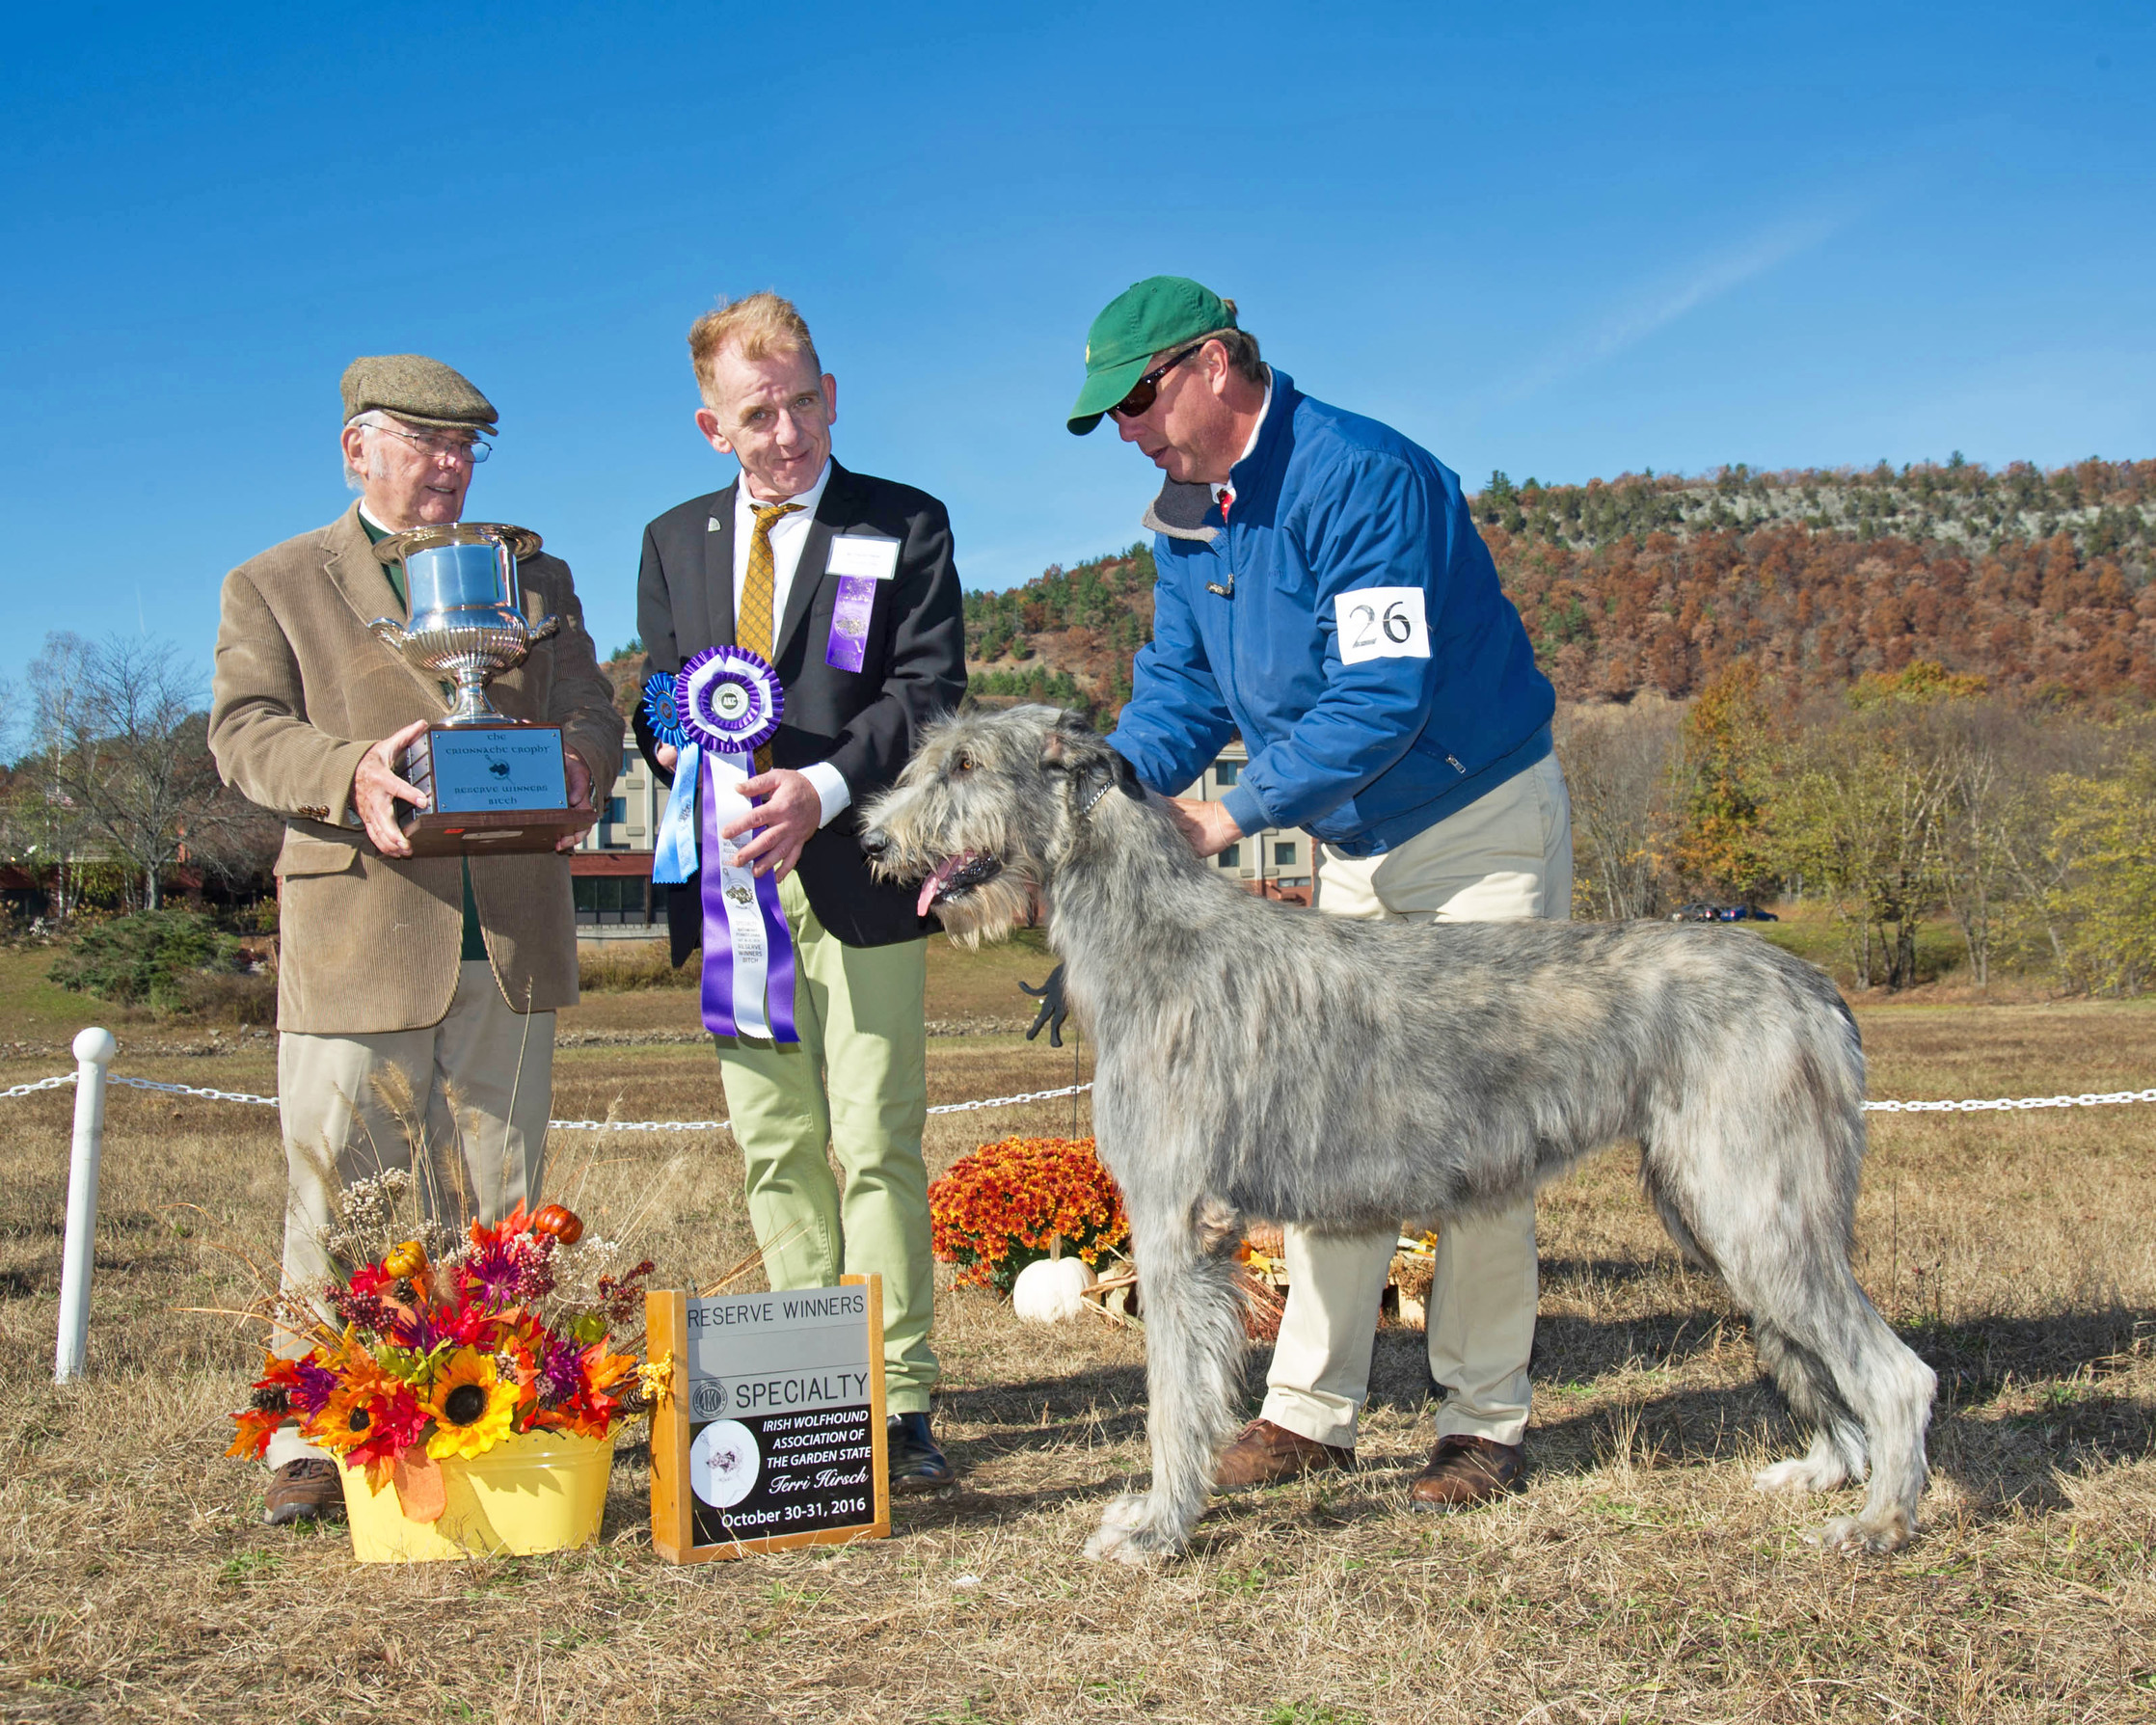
1348 622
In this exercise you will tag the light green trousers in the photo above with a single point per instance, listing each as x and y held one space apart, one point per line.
857 1082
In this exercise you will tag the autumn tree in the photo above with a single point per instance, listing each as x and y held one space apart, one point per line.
1729 740
1857 813
125 749
1618 763
2103 906
45 830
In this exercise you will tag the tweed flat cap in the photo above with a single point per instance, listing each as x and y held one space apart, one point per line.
414 387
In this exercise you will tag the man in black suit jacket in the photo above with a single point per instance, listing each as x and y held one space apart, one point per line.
845 583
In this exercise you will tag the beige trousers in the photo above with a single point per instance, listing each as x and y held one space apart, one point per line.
1506 856
855 1086
479 1159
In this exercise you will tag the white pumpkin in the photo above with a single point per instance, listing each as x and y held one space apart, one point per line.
1052 1291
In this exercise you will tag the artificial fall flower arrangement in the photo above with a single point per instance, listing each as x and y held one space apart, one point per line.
999 1208
444 1345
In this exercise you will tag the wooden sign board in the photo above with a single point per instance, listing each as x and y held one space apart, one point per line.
773 1434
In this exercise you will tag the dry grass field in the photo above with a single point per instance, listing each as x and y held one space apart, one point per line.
1638 1578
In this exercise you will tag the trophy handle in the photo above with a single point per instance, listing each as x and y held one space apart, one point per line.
544 629
388 631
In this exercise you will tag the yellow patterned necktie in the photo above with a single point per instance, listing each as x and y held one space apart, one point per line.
755 627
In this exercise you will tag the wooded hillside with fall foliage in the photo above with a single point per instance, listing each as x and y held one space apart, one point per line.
2037 581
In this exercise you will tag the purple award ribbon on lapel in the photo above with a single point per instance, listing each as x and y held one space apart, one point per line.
850 623
728 701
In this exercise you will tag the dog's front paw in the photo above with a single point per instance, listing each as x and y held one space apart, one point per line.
1127 1535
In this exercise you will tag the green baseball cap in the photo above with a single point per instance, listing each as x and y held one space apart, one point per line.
1147 317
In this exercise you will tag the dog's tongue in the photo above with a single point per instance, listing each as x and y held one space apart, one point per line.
935 883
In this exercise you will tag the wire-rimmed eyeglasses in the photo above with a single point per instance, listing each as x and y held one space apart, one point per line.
440 443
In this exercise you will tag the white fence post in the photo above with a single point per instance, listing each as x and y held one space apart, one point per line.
93 1052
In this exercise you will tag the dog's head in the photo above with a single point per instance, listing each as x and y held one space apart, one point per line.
984 811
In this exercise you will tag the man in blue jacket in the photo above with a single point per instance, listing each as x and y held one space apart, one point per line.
1323 591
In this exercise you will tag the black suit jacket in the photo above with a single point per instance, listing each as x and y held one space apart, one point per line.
866 722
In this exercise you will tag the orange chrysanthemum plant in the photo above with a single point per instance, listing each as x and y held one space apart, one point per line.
447 1344
1001 1207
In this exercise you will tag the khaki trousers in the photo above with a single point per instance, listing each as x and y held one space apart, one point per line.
857 1084
479 1161
1505 856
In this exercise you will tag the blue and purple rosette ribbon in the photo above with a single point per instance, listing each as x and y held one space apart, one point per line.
716 712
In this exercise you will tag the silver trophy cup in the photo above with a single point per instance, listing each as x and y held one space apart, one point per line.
491 783
465 608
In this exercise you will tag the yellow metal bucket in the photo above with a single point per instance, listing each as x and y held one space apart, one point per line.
539 1491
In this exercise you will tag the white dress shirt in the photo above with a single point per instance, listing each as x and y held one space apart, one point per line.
1229 491
788 534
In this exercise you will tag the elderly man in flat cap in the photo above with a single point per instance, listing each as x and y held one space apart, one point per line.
426 977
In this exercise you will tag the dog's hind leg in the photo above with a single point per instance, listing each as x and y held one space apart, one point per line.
1194 1356
1773 1217
1842 1367
1891 1390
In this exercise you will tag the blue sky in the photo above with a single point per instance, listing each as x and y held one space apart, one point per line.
1564 242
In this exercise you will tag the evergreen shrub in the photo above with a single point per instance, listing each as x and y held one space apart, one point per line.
152 957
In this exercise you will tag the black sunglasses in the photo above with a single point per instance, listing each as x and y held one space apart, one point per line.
1146 390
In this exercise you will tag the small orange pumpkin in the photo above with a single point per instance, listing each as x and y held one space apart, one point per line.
407 1260
561 1221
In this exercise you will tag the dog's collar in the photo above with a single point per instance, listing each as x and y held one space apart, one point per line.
1097 795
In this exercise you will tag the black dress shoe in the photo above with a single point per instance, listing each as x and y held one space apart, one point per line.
915 1462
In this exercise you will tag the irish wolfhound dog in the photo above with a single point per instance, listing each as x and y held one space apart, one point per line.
1260 1060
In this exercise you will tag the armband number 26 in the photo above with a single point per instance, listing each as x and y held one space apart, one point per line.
1381 623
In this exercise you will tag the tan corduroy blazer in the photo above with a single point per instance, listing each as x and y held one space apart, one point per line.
369 943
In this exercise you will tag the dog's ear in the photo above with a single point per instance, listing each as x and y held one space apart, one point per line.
1066 741
1127 776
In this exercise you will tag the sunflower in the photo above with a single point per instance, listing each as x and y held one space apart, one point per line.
395 1422
472 1407
347 1419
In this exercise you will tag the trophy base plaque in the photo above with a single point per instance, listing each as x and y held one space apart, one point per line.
497 788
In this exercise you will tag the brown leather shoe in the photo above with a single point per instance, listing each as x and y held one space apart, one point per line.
304 1491
1464 1471
1265 1454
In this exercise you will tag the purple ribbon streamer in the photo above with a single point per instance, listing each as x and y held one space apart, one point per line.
718 935
779 948
849 644
718 983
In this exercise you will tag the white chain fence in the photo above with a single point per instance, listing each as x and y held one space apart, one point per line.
94 1049
2086 1099
65 1079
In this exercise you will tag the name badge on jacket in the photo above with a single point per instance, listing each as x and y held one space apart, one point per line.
863 553
859 561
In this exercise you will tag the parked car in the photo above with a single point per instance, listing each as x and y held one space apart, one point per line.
1747 913
1700 912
